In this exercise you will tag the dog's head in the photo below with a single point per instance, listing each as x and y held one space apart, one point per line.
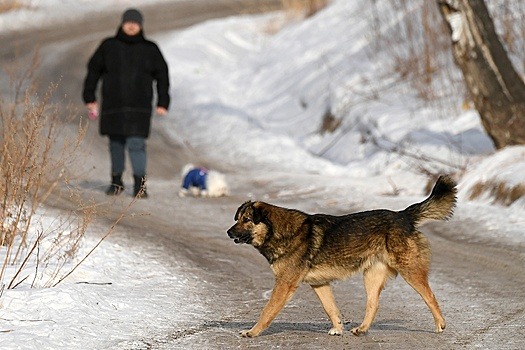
251 225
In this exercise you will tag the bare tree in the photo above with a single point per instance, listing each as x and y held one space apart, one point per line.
497 90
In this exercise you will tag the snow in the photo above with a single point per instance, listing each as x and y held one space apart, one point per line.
244 91
36 14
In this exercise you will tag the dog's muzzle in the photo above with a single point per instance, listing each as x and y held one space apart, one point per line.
239 238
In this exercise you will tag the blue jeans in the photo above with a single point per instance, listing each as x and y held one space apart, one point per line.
137 154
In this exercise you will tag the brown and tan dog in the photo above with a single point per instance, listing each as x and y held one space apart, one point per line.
318 249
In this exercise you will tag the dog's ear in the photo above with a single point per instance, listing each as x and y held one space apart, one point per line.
241 209
259 214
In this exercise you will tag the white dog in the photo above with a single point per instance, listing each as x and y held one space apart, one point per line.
199 181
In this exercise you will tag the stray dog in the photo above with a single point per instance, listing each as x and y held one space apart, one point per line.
318 249
199 181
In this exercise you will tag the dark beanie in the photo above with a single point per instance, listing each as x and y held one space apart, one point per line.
132 15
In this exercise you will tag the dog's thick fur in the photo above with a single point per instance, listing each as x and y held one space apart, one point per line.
318 249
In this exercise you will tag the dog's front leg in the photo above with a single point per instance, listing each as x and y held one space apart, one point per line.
325 295
282 292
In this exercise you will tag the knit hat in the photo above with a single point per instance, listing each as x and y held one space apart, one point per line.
132 15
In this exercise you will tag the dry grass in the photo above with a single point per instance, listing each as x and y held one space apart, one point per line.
304 8
330 122
39 145
500 191
10 5
295 10
36 149
415 44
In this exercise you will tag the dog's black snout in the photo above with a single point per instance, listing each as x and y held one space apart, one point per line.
230 232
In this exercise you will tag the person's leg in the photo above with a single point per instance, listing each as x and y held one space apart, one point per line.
117 155
137 154
117 151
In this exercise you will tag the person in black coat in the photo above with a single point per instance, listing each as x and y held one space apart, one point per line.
128 66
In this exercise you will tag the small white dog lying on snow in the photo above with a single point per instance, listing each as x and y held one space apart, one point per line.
199 181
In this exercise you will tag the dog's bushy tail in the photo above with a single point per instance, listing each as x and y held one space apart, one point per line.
438 206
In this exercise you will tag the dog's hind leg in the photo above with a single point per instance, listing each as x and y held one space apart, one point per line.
375 278
417 278
325 295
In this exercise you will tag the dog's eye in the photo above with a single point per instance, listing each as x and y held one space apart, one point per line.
245 219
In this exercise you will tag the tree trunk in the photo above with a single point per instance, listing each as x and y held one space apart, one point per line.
497 90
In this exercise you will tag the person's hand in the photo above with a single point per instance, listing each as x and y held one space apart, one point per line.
92 108
162 111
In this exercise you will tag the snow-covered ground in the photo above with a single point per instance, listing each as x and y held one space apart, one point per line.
34 14
244 93
255 101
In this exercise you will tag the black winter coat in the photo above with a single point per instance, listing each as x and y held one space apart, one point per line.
128 66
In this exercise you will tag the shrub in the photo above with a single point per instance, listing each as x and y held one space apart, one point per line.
37 145
304 7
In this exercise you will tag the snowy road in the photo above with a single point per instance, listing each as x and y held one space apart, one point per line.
479 286
479 283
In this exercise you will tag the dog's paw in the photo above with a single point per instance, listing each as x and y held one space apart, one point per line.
357 331
440 327
247 334
335 331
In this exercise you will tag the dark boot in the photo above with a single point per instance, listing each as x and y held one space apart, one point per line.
139 190
116 187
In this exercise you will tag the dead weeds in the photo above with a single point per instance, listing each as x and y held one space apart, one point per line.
501 192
